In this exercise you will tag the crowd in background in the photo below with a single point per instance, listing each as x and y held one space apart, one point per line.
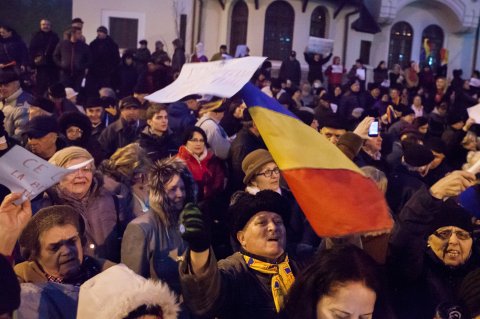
169 190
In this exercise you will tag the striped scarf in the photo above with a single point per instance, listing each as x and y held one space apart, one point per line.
282 278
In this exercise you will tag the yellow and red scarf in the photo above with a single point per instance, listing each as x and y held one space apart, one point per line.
282 278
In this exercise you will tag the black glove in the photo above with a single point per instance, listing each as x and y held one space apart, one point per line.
194 228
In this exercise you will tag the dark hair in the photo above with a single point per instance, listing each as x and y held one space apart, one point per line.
188 135
330 269
155 108
145 310
223 46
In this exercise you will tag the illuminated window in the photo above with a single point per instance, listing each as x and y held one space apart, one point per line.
432 43
239 24
318 22
278 36
400 49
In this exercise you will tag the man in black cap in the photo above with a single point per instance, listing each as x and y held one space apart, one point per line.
251 283
95 111
105 60
41 49
43 139
290 69
57 94
125 130
142 56
159 54
73 57
13 103
408 177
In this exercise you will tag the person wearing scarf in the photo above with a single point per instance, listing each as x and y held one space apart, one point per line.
251 283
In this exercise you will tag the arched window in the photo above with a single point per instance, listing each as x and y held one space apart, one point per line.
239 24
400 49
318 22
432 43
278 36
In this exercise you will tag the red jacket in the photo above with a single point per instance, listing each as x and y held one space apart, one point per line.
209 172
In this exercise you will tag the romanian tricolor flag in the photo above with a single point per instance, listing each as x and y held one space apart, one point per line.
332 191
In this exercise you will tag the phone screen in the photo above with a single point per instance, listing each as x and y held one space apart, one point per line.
373 130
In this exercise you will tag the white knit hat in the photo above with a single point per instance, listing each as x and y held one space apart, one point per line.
117 291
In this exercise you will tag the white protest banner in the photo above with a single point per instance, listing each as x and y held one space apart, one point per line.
26 173
319 45
218 78
474 113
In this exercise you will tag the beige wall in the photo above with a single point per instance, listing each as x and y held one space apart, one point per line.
159 17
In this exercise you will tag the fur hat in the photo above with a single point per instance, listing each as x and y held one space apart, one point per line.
253 162
63 156
10 292
77 119
40 126
245 206
42 221
118 291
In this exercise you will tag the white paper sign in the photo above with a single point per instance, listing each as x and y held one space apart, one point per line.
24 172
218 78
320 45
474 112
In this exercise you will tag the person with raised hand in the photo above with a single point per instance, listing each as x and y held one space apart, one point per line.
13 219
251 283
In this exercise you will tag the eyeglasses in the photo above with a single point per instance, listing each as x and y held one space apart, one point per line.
73 130
197 140
269 172
445 234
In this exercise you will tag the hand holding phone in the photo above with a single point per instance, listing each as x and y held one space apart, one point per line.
373 129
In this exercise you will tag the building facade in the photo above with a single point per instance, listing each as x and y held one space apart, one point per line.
426 31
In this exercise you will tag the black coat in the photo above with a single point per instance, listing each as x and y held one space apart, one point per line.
72 57
42 46
158 147
420 280
290 69
402 184
13 49
105 57
315 70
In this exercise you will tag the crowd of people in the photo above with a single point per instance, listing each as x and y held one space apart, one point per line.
182 212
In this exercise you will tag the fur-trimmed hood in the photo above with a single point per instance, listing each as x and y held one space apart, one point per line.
117 291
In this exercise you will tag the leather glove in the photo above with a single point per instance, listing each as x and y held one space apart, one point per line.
194 228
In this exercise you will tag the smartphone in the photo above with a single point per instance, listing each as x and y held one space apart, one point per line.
373 129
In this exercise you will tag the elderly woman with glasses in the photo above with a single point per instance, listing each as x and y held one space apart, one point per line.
262 173
207 169
431 249
83 190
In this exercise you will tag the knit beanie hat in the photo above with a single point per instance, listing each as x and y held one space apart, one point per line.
118 292
451 214
10 292
245 206
469 293
62 157
253 162
416 155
